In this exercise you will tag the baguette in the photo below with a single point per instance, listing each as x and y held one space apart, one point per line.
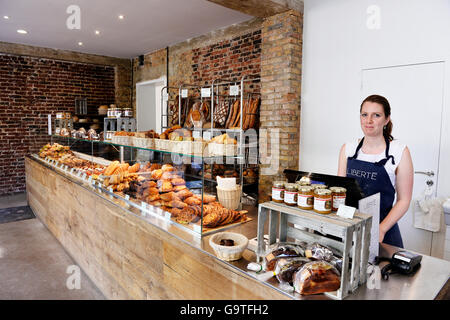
230 115
111 168
238 116
254 110
247 115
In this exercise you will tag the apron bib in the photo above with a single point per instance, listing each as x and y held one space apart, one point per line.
373 178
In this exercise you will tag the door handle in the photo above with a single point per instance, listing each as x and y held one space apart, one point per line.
428 173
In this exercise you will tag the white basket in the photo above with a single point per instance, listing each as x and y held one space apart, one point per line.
229 253
230 198
148 143
186 147
161 144
123 140
174 146
219 149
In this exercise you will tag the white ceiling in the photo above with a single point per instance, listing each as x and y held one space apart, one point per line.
148 25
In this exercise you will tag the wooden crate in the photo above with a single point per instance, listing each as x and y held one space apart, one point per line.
354 234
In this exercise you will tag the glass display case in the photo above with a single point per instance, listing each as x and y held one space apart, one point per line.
163 178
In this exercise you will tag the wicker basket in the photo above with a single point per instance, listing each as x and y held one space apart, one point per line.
148 143
230 198
123 140
229 253
161 144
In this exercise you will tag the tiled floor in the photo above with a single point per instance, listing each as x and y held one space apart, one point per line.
34 265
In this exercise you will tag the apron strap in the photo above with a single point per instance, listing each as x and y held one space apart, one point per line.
381 162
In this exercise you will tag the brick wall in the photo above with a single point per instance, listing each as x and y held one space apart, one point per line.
30 89
281 69
229 53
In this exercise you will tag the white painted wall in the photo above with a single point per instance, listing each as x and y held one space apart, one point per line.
148 104
338 45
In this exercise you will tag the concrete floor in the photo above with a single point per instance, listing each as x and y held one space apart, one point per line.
34 265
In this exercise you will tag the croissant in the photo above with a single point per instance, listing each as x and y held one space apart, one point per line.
193 200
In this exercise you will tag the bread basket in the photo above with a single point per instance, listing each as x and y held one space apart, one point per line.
230 198
229 253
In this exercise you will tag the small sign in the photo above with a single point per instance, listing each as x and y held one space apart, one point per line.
234 90
167 215
90 179
49 121
196 134
197 228
127 197
110 189
184 93
346 211
207 135
84 176
206 92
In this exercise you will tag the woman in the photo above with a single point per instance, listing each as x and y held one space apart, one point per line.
380 164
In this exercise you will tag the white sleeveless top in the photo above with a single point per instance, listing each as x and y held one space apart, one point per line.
395 149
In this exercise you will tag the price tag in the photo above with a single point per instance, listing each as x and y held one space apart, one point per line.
90 179
346 211
84 176
207 135
197 228
234 90
196 134
206 92
127 197
71 170
184 93
167 215
110 189
79 173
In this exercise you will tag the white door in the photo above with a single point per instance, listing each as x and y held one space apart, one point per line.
415 93
148 105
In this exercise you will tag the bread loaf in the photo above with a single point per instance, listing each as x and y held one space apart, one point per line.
316 277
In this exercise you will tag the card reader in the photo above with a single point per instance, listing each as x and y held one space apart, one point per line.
403 262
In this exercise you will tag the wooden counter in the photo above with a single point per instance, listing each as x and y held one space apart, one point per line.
126 256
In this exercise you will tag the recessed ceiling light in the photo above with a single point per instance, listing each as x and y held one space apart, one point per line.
22 31
121 16
97 32
6 17
80 43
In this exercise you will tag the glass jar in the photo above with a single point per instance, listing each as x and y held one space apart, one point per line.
111 112
290 194
278 191
118 113
318 186
305 197
127 113
322 201
60 115
339 195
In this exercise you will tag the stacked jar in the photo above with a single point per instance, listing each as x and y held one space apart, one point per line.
322 199
305 197
278 191
339 195
290 194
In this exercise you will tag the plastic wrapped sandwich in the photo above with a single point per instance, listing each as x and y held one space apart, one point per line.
316 277
286 267
282 250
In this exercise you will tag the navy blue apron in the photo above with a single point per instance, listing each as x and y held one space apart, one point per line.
373 178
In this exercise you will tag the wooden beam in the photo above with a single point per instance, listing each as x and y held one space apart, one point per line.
261 8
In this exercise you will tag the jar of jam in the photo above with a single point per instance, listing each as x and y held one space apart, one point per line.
290 194
278 191
322 201
338 197
127 113
305 197
318 186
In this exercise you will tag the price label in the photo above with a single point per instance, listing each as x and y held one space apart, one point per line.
110 189
184 93
84 176
346 211
167 215
71 170
206 92
234 90
196 134
127 197
90 179
207 135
